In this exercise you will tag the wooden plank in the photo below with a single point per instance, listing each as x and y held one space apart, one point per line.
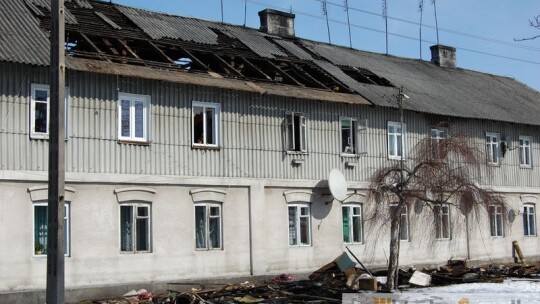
110 46
229 67
128 49
285 74
160 52
254 67
100 53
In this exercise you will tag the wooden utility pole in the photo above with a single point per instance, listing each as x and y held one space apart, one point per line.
55 230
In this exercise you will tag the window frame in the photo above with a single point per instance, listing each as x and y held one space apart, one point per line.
395 141
436 140
134 216
216 127
32 103
297 225
351 216
291 142
438 210
354 136
493 145
67 227
494 212
526 219
404 215
208 205
132 99
524 151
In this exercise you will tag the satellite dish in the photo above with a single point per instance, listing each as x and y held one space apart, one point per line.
337 185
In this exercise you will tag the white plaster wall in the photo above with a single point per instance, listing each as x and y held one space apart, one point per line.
255 234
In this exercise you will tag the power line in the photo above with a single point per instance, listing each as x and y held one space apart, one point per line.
390 33
455 32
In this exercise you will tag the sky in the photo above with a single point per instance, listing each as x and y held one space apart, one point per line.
482 31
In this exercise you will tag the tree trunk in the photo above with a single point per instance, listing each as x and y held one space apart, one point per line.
394 248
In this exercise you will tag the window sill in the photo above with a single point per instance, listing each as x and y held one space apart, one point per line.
353 244
297 152
133 142
494 164
347 155
530 236
208 250
205 147
134 252
443 240
300 246
525 167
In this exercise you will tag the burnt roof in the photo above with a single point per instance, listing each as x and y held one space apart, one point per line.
98 30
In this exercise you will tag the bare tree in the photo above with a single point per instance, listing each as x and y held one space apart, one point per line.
535 23
442 171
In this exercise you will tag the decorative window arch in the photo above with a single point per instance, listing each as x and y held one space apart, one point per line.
135 219
208 218
39 197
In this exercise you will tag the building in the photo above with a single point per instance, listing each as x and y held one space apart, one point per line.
197 149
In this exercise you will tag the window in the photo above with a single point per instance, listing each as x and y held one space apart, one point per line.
208 226
133 117
529 220
296 132
442 221
39 111
135 227
404 218
348 135
496 220
492 148
437 135
40 228
299 225
205 124
396 140
352 224
525 151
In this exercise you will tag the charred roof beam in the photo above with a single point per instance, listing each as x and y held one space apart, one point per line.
100 53
255 68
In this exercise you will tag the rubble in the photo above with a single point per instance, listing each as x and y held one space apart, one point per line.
328 283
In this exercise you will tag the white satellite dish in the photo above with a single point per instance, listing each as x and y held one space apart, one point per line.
337 185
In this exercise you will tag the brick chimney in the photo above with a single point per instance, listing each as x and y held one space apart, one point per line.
443 56
277 22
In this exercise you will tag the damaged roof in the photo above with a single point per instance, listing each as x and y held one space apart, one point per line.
119 35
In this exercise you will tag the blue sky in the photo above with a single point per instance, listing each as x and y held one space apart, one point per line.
478 29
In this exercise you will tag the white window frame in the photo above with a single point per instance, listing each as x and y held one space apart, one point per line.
132 99
496 220
529 216
67 227
135 205
352 142
290 131
207 206
436 136
404 218
297 226
393 139
351 216
525 152
493 148
440 215
215 127
46 87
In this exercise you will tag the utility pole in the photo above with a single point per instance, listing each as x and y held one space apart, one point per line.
55 230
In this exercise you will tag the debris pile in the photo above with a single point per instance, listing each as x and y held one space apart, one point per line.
327 284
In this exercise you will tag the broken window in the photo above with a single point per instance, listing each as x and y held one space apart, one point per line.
492 148
299 225
529 220
39 111
135 227
352 224
205 124
442 221
348 135
208 226
437 136
525 151
40 228
133 116
496 220
296 125
396 140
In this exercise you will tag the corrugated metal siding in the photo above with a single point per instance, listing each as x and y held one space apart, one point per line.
251 132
